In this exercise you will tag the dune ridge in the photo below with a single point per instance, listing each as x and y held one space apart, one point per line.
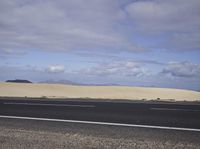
101 92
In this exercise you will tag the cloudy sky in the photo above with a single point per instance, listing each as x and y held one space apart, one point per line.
126 42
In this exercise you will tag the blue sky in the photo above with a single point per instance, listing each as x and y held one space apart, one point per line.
126 42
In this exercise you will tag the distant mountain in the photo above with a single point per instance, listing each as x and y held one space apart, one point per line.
19 81
105 84
60 82
67 82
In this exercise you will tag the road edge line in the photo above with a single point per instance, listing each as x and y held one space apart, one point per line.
100 123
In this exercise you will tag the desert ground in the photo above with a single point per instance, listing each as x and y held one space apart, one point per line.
97 92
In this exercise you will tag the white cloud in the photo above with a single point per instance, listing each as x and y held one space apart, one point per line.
32 73
178 20
184 74
11 52
128 68
56 69
97 24
182 69
62 25
162 16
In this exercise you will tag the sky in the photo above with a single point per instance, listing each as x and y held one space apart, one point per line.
153 43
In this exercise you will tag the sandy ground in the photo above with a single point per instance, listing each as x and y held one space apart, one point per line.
98 92
25 134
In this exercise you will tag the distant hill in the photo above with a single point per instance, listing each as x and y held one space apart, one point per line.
19 81
67 82
60 82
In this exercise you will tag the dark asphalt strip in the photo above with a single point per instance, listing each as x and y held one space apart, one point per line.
168 115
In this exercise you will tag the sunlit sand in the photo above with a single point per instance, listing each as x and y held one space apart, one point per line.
100 92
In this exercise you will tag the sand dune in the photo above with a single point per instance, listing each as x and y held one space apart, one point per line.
105 92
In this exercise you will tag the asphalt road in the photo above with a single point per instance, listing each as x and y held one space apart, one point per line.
184 115
18 132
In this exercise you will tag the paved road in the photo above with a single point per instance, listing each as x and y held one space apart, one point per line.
139 113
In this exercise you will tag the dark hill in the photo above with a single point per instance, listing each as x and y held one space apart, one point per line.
19 81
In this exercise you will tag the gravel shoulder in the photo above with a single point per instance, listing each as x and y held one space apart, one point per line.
18 134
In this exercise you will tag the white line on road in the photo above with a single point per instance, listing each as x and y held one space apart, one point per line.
100 123
170 109
46 104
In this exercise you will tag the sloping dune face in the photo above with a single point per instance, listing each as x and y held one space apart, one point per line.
101 92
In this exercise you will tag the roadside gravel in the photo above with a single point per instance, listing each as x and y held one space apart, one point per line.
23 134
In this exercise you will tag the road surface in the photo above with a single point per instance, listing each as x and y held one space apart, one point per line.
91 124
138 113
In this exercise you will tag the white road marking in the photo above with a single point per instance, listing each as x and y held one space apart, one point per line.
46 104
170 109
100 123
